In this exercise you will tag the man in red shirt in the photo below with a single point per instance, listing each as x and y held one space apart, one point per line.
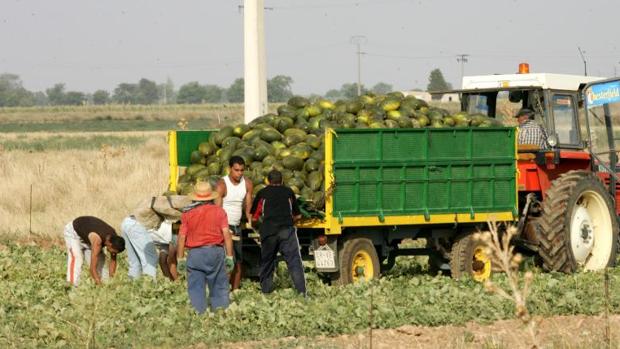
204 231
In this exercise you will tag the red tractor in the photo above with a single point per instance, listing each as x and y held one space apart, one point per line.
568 193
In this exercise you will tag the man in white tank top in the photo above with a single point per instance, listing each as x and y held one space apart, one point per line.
235 192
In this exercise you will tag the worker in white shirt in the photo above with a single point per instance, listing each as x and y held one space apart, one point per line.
235 192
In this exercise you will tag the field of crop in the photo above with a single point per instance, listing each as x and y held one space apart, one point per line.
121 112
54 175
39 310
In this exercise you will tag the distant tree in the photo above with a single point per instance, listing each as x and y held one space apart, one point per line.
101 97
436 82
40 98
350 90
333 94
213 94
382 88
191 93
235 93
147 92
279 88
12 93
56 94
125 93
74 98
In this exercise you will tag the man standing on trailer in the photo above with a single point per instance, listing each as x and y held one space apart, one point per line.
235 192
85 237
278 233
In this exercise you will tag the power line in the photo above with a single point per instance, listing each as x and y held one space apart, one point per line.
404 57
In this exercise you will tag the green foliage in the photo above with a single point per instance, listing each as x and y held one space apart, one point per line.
125 93
39 310
279 88
213 94
382 88
349 91
236 92
13 94
333 94
436 82
144 92
57 96
191 93
148 93
101 97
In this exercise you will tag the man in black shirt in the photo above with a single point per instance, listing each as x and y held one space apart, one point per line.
86 237
277 232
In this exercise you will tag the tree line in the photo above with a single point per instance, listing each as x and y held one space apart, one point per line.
145 91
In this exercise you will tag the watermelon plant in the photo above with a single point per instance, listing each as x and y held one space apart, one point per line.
38 309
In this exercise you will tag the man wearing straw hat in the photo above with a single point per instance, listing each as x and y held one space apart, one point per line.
204 231
148 233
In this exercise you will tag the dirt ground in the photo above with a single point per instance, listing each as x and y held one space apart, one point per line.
577 331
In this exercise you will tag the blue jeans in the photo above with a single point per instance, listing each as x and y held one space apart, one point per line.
141 253
206 267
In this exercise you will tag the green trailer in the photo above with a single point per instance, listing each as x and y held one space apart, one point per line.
386 185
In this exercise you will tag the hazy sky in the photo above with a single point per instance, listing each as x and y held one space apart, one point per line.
92 45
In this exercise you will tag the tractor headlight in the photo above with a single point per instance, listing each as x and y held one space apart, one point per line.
552 140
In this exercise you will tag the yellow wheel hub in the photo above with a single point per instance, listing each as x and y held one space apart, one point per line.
481 265
362 267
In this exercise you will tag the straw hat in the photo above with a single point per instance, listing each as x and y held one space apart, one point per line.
203 192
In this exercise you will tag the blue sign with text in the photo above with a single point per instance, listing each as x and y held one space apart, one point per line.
600 94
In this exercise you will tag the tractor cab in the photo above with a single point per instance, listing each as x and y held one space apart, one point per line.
556 100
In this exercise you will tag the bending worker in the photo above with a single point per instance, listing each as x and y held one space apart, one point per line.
85 237
148 231
235 192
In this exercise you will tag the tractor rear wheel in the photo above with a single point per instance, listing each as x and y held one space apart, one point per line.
578 228
468 257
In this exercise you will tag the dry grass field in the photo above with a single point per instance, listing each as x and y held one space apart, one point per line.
104 182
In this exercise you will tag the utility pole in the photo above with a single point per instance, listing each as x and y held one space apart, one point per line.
255 76
462 58
583 58
359 40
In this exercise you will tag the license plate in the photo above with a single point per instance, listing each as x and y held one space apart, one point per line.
324 258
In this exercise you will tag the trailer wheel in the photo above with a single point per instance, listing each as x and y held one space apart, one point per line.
358 260
578 228
468 257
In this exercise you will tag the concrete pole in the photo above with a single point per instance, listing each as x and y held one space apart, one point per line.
255 77
358 40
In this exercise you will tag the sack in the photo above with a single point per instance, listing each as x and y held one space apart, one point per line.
163 234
